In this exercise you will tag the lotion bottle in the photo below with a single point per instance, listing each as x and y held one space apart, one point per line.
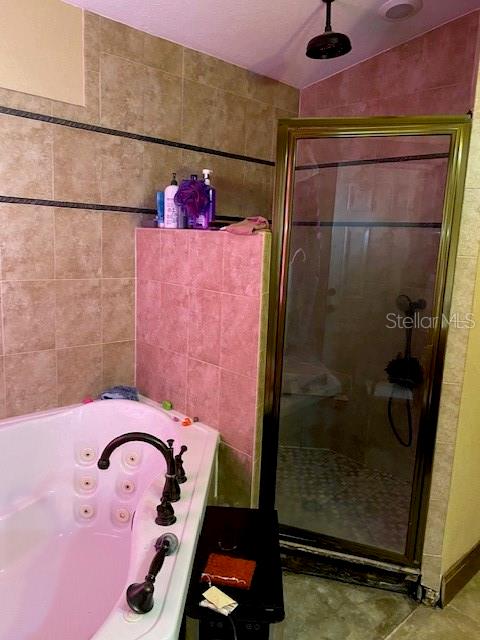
171 210
210 212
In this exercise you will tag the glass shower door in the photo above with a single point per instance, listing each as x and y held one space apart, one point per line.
364 244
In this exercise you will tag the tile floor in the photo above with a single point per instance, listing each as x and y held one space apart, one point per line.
319 609
337 496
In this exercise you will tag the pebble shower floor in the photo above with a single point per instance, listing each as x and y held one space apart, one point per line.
327 492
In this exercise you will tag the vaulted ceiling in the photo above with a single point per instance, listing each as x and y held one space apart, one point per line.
270 36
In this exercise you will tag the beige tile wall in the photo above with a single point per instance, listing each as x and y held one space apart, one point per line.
142 84
454 395
67 301
67 275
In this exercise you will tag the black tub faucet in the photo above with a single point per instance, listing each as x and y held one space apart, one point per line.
171 489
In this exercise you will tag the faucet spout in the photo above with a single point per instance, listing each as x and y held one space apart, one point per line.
171 490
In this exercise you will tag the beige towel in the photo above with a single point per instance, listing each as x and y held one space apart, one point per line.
248 226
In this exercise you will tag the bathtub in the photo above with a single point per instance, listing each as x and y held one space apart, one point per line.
73 537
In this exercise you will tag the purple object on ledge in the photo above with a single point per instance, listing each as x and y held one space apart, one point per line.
192 199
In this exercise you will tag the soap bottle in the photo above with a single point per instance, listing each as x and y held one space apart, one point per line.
171 210
210 212
160 218
192 219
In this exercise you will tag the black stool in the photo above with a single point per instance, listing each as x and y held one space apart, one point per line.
244 533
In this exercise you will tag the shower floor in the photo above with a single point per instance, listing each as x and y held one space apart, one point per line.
329 493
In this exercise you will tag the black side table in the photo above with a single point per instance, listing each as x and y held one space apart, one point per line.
244 533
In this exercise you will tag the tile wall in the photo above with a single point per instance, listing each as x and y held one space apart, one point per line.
67 295
201 336
67 275
428 75
447 539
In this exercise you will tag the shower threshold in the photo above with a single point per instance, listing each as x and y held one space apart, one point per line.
298 557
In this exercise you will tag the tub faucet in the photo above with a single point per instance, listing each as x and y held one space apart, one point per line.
140 594
171 489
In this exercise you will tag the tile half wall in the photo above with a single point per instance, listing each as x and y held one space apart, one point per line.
202 300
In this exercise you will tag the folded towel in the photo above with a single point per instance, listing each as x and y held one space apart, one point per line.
247 226
228 571
120 392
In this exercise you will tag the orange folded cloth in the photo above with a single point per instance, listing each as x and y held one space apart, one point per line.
228 571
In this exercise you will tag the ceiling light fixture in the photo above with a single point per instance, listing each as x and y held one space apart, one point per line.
329 44
394 10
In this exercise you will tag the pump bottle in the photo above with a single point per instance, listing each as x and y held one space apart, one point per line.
171 210
209 214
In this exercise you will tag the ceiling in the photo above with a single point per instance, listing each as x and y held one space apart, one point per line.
270 36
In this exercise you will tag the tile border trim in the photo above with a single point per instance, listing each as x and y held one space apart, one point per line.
19 113
367 223
220 219
74 205
361 162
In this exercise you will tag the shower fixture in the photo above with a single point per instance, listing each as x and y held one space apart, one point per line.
329 44
405 371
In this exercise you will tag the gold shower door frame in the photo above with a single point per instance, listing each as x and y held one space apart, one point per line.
289 132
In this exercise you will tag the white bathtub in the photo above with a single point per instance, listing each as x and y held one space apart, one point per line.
72 537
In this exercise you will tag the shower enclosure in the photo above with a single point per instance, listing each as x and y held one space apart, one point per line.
364 239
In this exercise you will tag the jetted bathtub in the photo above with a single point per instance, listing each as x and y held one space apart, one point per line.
73 537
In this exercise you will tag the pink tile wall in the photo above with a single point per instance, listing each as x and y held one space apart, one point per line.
432 74
199 314
429 75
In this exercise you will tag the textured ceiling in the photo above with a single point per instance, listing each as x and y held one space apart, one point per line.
269 36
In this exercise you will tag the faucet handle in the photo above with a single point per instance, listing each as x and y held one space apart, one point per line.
165 513
179 470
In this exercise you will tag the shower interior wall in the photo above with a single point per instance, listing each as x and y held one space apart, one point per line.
429 75
345 279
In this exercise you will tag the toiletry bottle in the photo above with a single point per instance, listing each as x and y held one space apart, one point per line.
191 219
189 210
201 221
210 212
171 211
160 219
184 218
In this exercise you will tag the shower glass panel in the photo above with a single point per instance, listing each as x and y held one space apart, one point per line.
365 233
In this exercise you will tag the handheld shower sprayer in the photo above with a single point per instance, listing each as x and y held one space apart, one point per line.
404 370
